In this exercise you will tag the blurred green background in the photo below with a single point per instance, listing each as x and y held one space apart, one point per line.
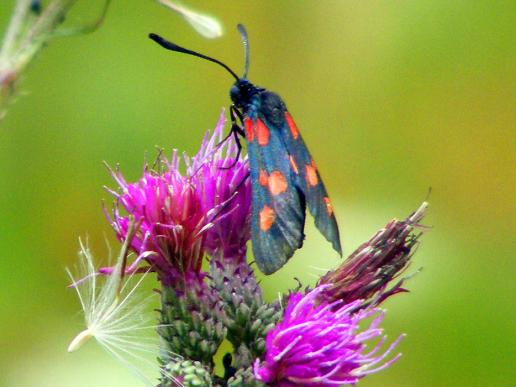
392 98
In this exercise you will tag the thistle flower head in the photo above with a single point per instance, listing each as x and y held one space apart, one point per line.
170 235
322 344
183 216
367 273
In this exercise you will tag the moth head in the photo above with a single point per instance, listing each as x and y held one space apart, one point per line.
241 92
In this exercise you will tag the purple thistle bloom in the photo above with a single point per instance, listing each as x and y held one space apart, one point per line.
323 344
182 216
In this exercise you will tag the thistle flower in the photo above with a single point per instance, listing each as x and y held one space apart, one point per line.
323 344
170 237
367 273
184 216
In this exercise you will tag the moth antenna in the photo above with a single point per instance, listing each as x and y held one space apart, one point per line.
245 42
174 47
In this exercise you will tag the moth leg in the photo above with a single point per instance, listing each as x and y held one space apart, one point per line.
234 111
237 132
224 139
234 127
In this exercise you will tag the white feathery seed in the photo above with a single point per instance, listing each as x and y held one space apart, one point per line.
116 316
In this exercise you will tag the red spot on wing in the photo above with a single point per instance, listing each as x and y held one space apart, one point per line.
293 164
262 133
249 134
329 207
292 126
263 179
311 174
267 218
277 183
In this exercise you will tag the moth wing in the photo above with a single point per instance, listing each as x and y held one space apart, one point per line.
278 207
310 183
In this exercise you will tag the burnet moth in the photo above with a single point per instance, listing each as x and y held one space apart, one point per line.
283 174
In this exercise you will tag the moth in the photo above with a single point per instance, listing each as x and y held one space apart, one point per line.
284 176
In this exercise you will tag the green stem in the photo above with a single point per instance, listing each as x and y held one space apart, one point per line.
15 28
26 35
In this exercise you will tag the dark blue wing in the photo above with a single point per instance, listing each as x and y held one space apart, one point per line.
278 207
309 182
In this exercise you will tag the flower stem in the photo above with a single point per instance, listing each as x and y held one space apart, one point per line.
27 33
